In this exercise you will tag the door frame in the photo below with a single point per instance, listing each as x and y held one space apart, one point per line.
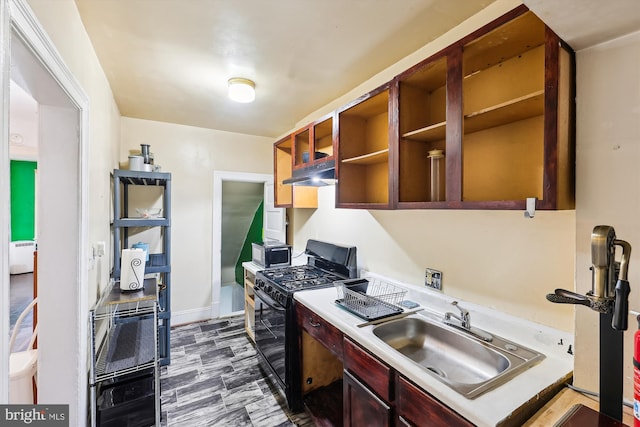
62 268
216 238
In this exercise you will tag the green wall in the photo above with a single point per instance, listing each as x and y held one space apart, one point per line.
23 200
253 235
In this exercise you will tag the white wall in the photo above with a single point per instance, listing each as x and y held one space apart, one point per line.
63 25
608 155
63 341
191 155
495 258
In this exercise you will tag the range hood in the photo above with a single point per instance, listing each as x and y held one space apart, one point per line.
317 175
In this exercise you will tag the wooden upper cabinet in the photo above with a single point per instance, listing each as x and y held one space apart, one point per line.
422 111
362 165
517 111
286 195
316 138
282 165
499 104
302 143
486 123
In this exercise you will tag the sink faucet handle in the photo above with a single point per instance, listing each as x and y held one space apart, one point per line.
464 314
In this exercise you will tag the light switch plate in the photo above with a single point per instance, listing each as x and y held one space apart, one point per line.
99 248
433 279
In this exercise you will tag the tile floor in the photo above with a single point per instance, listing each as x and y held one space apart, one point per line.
214 379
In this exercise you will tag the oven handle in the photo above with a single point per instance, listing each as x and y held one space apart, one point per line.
268 300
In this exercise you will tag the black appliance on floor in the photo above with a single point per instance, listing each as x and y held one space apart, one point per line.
276 330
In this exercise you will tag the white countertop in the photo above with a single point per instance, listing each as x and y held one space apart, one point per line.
252 267
296 259
491 407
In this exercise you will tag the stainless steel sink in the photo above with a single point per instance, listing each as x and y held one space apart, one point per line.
466 364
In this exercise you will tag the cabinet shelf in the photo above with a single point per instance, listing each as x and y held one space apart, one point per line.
521 108
142 178
128 347
380 156
434 132
141 222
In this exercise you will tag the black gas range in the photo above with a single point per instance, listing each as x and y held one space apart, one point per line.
276 330
280 283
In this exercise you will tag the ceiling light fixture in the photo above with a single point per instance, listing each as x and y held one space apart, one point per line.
242 90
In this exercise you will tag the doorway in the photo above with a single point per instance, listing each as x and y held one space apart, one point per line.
242 220
235 195
31 61
23 155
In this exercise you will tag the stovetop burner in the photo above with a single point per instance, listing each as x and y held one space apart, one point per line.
300 277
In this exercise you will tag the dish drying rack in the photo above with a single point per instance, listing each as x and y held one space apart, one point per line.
370 299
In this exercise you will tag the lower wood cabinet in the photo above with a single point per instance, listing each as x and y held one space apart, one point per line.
416 407
361 406
320 329
342 378
375 373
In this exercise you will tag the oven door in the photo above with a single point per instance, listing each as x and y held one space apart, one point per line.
270 329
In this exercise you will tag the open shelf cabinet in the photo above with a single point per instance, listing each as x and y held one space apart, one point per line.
286 195
499 103
422 111
503 129
362 168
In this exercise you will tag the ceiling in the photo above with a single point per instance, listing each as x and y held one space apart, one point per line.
585 23
170 60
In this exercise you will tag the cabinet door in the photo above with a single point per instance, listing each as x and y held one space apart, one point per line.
362 407
274 218
418 408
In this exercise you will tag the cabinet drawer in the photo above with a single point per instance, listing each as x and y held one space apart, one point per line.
363 365
320 329
416 407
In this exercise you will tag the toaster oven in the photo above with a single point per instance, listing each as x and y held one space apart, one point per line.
271 254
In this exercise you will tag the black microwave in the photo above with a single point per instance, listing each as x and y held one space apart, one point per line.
271 254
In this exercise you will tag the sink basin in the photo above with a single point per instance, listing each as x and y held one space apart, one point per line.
468 365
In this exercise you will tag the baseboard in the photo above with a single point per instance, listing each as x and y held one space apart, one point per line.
190 316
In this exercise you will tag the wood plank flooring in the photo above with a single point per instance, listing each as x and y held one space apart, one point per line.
20 295
215 379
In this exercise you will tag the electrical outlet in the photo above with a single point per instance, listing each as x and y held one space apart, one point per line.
433 279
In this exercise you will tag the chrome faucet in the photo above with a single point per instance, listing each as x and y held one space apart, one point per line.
464 318
464 323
